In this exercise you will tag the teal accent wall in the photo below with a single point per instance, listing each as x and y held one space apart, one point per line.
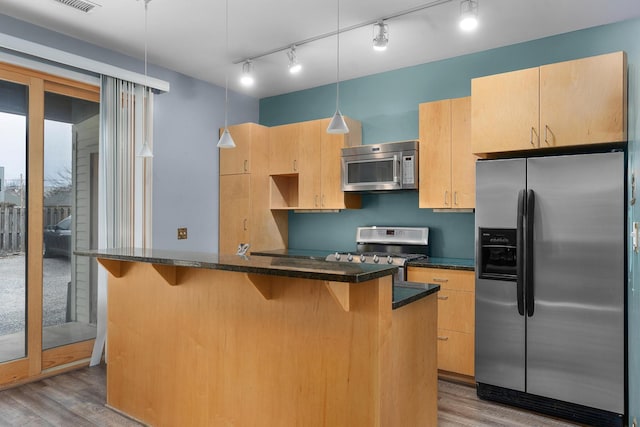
387 106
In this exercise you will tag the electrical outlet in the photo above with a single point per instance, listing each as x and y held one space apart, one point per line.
182 233
635 423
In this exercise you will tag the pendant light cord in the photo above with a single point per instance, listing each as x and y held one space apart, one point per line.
338 57
226 73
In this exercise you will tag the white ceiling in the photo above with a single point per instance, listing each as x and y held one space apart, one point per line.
189 35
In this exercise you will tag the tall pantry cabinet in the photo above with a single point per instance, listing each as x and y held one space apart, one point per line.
244 213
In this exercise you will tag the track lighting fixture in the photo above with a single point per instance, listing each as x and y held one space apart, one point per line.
226 141
294 66
468 15
380 36
247 73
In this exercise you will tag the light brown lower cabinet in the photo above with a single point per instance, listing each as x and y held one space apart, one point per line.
456 318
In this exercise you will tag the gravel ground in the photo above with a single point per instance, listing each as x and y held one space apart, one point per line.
57 274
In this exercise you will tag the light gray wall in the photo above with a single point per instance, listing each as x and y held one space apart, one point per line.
186 123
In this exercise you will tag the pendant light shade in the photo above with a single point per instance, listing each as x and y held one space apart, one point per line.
225 140
145 151
337 123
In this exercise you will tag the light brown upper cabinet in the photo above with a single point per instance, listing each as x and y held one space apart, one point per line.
283 149
315 184
570 103
238 160
447 164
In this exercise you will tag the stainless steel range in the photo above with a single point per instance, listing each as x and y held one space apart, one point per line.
387 245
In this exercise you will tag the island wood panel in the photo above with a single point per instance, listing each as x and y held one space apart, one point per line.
415 367
213 351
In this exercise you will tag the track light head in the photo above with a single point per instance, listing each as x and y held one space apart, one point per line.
247 73
468 15
294 66
380 36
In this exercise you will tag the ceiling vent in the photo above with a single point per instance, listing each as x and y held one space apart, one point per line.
82 5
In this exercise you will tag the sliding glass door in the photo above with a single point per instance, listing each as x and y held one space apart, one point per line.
49 130
13 263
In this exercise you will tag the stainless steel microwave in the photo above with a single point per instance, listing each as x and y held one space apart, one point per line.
380 167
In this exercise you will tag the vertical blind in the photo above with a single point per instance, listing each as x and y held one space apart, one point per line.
124 194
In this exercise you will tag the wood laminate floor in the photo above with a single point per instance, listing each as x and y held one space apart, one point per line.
77 399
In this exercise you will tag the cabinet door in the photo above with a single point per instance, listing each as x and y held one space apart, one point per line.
456 352
463 161
309 165
504 112
237 160
456 310
584 101
283 149
435 154
235 208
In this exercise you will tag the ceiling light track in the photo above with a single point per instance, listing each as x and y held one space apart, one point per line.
343 30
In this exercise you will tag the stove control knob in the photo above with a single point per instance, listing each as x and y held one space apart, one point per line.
389 260
362 258
349 257
337 256
376 259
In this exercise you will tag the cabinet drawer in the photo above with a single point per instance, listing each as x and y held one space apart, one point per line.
456 352
456 310
461 280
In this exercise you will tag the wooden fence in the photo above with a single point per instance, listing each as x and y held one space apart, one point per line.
12 226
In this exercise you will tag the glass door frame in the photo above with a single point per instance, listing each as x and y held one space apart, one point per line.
38 363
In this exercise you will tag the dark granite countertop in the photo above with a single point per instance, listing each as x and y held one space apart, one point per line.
446 263
294 253
432 262
408 292
305 268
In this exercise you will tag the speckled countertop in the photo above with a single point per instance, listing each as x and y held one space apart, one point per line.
306 268
446 263
432 262
408 292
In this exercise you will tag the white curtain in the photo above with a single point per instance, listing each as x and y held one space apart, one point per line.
124 179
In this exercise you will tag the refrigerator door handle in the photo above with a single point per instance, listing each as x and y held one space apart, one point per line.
531 199
520 261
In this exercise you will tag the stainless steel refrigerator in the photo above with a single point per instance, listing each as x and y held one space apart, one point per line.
550 285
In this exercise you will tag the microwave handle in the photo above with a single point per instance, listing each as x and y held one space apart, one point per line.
396 168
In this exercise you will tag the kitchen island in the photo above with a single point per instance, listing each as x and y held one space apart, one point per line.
224 340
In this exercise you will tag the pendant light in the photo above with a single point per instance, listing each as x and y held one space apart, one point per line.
145 151
226 141
337 123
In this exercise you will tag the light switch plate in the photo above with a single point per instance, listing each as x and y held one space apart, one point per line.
182 233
